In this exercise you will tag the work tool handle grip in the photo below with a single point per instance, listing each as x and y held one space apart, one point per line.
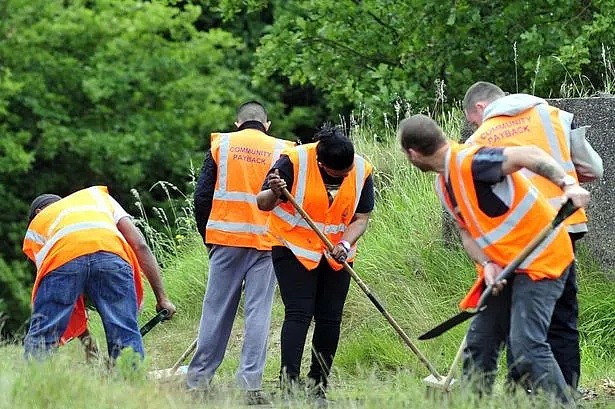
162 314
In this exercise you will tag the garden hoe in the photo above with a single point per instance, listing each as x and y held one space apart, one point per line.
434 380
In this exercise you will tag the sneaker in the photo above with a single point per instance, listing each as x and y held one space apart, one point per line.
256 398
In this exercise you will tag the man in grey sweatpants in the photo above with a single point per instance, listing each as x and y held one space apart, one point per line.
239 247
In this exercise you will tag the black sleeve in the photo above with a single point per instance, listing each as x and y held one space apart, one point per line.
204 193
366 201
286 171
487 165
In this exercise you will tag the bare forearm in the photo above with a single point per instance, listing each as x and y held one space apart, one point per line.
472 249
356 228
150 268
267 200
535 160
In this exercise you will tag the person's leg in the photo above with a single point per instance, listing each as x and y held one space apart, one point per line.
485 339
53 306
110 285
258 298
563 335
219 308
298 291
532 306
331 293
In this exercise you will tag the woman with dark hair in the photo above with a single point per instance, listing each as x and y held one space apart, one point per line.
335 188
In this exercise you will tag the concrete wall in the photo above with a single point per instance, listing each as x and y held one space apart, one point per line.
600 114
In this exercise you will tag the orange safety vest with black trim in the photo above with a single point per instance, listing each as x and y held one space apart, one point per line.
243 159
79 224
309 191
546 127
503 237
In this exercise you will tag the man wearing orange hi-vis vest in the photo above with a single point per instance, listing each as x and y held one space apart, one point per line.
86 243
518 120
499 212
239 247
335 188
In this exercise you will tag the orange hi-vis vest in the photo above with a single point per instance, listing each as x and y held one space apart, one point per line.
502 238
309 191
243 159
546 127
79 224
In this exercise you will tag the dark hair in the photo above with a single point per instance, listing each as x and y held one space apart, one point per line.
421 133
251 111
334 149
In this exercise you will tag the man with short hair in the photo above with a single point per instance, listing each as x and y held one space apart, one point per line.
499 212
86 243
239 247
518 120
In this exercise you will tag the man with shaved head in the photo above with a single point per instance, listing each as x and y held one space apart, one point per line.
239 247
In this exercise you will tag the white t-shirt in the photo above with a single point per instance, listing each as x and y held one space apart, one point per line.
118 211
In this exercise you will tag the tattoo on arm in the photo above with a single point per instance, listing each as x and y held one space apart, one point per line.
548 171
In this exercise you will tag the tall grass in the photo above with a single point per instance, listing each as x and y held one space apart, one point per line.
402 258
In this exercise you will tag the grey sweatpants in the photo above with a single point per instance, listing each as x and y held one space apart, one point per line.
229 268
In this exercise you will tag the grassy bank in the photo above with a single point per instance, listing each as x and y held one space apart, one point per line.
404 261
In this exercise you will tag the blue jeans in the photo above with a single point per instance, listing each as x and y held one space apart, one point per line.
107 280
522 314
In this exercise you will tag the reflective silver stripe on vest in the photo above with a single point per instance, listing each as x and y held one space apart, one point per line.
225 142
545 243
35 237
301 252
359 164
300 187
73 228
279 147
235 196
511 221
552 140
301 180
514 216
234 227
75 209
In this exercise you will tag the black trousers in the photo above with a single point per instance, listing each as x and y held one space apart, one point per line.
319 294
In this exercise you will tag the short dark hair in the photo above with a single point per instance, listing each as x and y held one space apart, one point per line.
421 133
40 202
251 111
334 150
481 91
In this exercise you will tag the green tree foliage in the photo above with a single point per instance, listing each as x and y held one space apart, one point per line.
115 92
377 51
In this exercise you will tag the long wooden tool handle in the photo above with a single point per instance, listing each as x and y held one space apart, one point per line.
363 286
183 357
